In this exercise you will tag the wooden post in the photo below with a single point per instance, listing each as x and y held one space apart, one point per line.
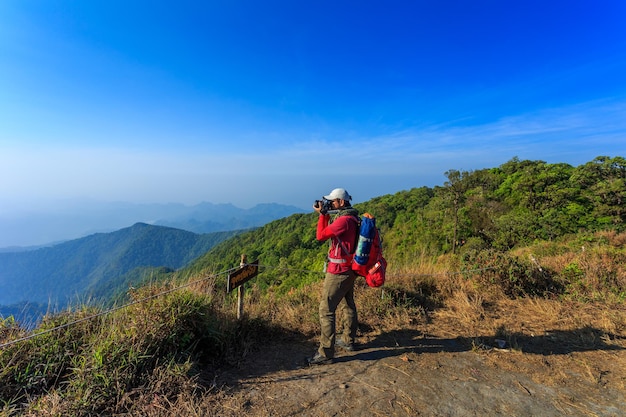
240 292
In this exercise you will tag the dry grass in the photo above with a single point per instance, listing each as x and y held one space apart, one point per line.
594 270
131 362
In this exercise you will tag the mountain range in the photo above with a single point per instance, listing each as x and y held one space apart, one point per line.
46 226
97 266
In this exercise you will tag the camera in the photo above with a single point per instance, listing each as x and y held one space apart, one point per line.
325 205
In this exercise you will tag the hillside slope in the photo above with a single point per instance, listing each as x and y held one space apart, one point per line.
72 270
503 208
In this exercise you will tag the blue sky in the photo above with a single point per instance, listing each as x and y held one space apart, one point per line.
250 102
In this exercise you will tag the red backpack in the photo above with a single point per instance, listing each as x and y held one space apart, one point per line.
368 260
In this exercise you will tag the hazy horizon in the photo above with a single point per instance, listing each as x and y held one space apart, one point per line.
76 219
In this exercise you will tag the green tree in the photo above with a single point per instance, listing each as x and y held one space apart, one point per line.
455 189
603 184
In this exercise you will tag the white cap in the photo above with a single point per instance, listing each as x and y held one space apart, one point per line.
338 193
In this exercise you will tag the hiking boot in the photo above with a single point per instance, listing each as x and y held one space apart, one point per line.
319 359
349 347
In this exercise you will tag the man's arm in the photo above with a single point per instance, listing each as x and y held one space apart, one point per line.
323 231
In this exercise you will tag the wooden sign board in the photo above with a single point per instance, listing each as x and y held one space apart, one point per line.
242 275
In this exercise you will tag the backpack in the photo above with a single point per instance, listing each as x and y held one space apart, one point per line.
368 260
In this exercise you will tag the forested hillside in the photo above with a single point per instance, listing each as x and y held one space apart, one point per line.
515 204
97 265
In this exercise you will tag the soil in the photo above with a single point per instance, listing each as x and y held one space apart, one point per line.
424 370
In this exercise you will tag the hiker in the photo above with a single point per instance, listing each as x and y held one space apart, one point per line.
338 291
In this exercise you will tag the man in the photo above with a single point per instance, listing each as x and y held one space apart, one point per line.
338 291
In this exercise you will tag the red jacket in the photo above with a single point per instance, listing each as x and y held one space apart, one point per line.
343 233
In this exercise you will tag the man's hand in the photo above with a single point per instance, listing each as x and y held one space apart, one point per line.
319 207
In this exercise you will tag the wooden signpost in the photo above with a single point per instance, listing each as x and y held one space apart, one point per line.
239 277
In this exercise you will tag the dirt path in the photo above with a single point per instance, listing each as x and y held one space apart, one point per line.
414 372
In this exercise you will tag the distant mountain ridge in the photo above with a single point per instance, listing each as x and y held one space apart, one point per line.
75 270
208 217
46 227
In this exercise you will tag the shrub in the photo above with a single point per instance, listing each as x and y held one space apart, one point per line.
513 277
